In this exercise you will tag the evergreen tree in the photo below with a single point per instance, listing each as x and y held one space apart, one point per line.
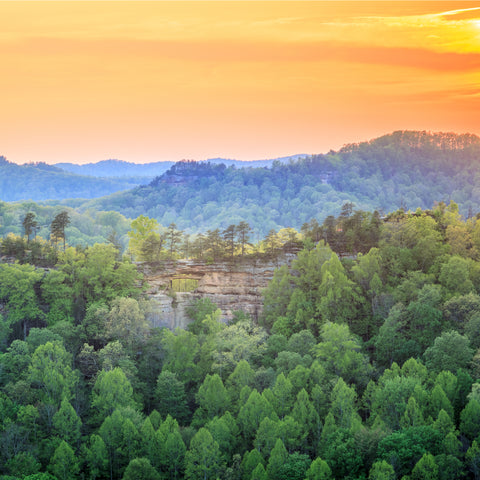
277 459
425 469
30 225
140 469
67 423
57 227
243 231
203 459
64 464
170 396
319 470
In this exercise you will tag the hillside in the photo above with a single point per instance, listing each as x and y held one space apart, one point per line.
40 181
145 172
403 169
118 168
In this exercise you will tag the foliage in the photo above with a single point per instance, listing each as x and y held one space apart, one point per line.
363 366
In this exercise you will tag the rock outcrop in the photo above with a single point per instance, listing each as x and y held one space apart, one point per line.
232 286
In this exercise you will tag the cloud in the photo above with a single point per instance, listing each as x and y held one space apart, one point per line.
461 14
236 51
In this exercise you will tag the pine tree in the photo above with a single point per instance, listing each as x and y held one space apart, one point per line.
57 227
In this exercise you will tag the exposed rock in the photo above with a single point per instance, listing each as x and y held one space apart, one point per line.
230 285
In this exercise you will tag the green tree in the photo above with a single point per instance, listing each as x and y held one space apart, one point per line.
173 238
203 459
405 448
276 296
51 373
140 469
64 464
439 401
243 375
212 396
243 231
340 353
425 468
67 423
151 248
23 464
277 459
282 395
306 416
412 417
381 470
96 457
454 277
17 291
392 343
173 452
181 349
259 473
319 470
30 225
450 351
339 298
343 406
251 414
170 396
250 461
111 390
470 419
267 434
225 432
57 227
295 468
229 237
126 322
472 458
59 296
142 228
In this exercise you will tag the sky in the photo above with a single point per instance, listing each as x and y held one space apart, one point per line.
84 81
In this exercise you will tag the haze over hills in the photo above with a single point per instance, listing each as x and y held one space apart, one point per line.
121 168
46 182
40 181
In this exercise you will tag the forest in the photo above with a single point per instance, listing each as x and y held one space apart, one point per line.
364 364
39 181
405 169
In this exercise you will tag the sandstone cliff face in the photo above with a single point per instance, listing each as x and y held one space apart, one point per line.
231 286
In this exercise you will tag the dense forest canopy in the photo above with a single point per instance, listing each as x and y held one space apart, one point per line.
365 362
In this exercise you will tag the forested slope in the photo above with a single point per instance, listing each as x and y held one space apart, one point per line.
366 367
404 169
46 182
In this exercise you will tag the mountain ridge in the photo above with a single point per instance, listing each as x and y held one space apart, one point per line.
404 169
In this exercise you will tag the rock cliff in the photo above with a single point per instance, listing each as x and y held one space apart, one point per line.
230 285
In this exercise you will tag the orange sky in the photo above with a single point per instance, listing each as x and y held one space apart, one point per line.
149 81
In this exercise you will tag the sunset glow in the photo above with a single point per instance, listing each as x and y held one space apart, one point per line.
150 81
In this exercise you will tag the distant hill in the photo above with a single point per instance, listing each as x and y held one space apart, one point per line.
118 168
406 169
40 181
145 172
